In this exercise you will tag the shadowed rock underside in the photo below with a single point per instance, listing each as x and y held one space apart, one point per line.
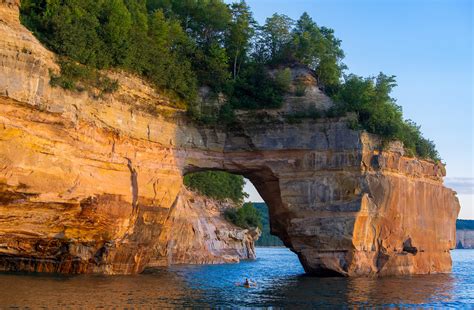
89 183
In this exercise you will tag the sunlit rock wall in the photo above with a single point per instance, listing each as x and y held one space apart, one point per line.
88 182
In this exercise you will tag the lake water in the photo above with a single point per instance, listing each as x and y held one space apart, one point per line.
281 283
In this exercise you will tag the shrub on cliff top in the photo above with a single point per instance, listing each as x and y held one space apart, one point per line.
116 34
246 216
180 45
78 77
217 184
221 185
378 113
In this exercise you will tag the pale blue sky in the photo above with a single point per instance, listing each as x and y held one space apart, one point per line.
427 44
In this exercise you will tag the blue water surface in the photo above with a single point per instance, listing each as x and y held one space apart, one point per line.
281 283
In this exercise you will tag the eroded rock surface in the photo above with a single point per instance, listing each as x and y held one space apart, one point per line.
196 233
88 184
465 239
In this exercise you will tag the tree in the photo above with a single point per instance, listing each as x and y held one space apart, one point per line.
167 64
370 99
256 89
206 23
266 239
179 45
138 36
239 33
72 29
115 30
307 41
275 37
217 184
320 50
378 113
246 216
205 20
212 67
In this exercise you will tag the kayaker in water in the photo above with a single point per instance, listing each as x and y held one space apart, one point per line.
249 283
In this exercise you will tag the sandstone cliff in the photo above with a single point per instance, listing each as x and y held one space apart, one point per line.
465 239
89 184
197 233
465 234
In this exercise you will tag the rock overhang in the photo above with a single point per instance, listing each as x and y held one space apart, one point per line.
93 180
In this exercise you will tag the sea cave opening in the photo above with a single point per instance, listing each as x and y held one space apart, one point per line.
246 202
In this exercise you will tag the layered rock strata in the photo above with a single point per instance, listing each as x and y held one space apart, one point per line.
88 184
197 233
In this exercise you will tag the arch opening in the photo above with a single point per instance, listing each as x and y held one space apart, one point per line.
267 186
212 220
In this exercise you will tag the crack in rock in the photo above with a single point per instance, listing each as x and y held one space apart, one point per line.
133 185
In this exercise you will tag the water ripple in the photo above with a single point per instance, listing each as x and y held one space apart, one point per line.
281 283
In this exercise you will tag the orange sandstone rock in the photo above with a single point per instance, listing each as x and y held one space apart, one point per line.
196 233
93 184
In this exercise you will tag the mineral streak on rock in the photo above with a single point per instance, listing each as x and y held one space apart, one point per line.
92 184
196 233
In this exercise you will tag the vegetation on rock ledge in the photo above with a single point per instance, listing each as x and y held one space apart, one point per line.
182 45
221 185
246 216
217 184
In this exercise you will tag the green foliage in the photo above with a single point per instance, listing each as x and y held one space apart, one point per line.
266 239
320 50
256 89
300 89
217 184
413 140
116 24
239 34
246 216
206 23
179 45
116 33
78 77
166 64
204 20
275 38
283 79
378 113
280 41
297 117
212 67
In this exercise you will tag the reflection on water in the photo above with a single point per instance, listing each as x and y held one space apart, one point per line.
280 278
433 290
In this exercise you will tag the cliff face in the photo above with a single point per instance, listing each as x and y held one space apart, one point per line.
465 239
93 184
196 233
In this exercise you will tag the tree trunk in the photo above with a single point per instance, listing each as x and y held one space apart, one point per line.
235 65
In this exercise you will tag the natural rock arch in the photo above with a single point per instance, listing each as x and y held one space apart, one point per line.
338 201
87 184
